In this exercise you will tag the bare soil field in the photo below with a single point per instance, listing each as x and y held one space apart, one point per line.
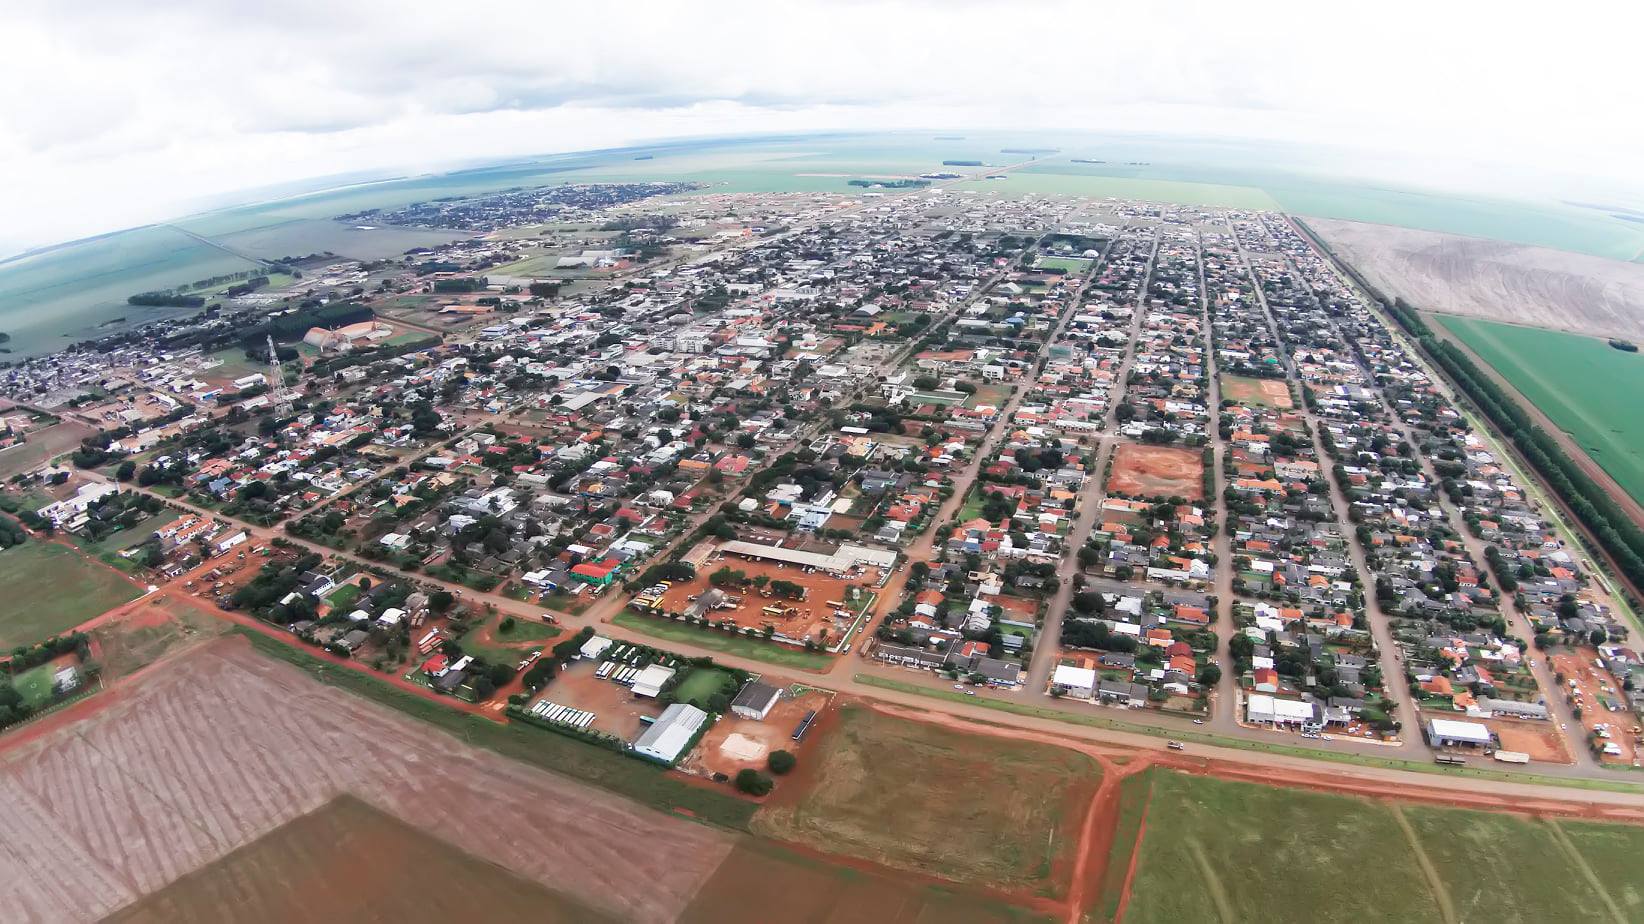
735 743
617 711
349 861
812 617
1251 392
1591 682
220 747
1541 740
1157 471
1497 280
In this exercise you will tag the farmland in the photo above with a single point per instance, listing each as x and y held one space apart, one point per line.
1215 849
977 809
50 588
394 872
242 746
1157 471
1590 390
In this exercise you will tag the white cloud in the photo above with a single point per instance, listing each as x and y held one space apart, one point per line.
113 113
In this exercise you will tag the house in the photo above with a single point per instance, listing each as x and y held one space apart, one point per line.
1267 680
755 701
1077 682
672 733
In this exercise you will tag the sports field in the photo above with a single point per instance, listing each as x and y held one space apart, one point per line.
1067 264
1591 390
1215 849
50 589
982 810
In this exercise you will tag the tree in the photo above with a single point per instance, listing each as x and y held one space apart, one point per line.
126 470
753 782
1597 637
1209 675
781 762
440 600
507 625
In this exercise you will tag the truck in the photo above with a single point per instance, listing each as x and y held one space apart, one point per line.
1512 757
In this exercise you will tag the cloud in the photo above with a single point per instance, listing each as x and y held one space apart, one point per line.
117 112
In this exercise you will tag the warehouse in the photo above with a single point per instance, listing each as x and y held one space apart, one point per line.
673 731
1447 733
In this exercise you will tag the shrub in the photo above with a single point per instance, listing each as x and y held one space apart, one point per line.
753 782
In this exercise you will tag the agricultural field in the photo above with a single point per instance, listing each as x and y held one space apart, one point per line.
1214 849
1274 393
1591 390
1157 471
51 588
981 810
242 746
394 872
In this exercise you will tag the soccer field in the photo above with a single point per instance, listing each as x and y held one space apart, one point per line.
51 589
1591 390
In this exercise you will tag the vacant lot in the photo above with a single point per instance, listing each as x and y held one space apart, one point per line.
1251 392
1494 280
1157 471
808 618
1591 390
976 809
151 630
224 747
41 446
393 872
50 588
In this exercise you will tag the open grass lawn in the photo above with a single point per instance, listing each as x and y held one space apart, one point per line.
699 684
1612 852
343 597
976 809
524 630
719 640
1073 265
108 548
34 685
50 589
1507 869
640 780
1591 390
1215 849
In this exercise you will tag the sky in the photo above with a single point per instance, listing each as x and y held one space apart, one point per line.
114 113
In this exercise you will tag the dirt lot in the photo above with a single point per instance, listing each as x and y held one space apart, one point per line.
735 743
1497 280
1157 471
616 709
1541 740
1592 680
813 617
1257 392
223 746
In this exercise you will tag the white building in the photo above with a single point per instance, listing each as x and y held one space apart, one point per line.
1077 682
1261 708
651 679
672 732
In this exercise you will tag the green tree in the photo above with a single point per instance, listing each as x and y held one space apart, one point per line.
753 782
781 762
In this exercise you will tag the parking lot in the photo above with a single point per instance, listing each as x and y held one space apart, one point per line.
1591 688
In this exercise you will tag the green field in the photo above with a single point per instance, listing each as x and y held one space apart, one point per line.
50 589
1214 849
981 810
1591 390
34 685
724 642
1069 264
108 548
700 684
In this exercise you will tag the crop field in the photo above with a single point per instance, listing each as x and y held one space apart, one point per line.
1214 849
1591 390
394 872
50 589
1157 471
1251 392
759 876
188 765
983 810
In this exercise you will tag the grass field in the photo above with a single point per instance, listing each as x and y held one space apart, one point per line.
1590 390
107 549
34 685
1214 849
699 684
394 872
980 810
1073 265
1236 851
49 589
639 780
721 641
